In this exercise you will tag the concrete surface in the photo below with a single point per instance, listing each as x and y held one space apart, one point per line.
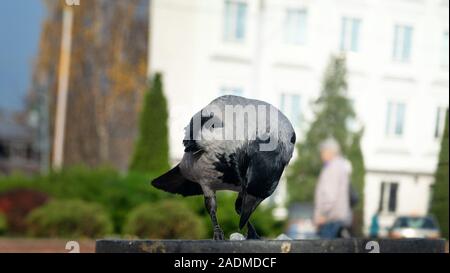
272 246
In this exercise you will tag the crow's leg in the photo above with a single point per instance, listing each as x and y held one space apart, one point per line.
211 207
251 232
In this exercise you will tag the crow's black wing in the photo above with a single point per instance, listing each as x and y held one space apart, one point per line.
174 182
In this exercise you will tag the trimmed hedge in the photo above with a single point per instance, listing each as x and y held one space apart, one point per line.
118 194
3 224
15 204
72 218
165 220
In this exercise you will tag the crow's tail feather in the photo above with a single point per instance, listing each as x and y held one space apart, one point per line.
174 182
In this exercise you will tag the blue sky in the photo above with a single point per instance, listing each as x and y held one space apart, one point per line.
20 25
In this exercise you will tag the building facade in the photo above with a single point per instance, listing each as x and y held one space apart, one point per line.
17 150
277 50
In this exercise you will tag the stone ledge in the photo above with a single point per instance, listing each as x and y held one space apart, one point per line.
272 246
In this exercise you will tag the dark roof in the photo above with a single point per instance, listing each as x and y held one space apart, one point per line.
13 131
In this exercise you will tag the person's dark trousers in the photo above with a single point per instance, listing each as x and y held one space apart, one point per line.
330 230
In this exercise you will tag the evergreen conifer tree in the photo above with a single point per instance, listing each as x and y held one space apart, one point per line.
333 113
151 151
439 204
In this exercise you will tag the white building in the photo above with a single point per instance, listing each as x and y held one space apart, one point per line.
277 50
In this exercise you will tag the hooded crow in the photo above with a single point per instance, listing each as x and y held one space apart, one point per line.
236 144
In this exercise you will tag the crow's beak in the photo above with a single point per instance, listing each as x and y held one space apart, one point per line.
249 204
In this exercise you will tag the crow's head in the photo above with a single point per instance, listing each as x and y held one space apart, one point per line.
249 204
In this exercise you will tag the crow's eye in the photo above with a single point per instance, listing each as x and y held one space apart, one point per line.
210 122
214 123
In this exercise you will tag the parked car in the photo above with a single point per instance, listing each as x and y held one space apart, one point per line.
415 227
301 225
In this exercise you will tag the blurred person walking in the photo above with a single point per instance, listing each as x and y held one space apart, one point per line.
332 211
374 226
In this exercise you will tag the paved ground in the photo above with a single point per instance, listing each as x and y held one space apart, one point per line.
22 245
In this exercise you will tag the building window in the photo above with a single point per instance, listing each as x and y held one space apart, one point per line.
4 151
352 123
388 197
350 33
295 29
290 106
445 50
395 119
440 122
235 91
235 21
402 43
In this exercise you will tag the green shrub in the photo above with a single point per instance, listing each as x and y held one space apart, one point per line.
73 218
117 194
15 181
170 219
3 224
